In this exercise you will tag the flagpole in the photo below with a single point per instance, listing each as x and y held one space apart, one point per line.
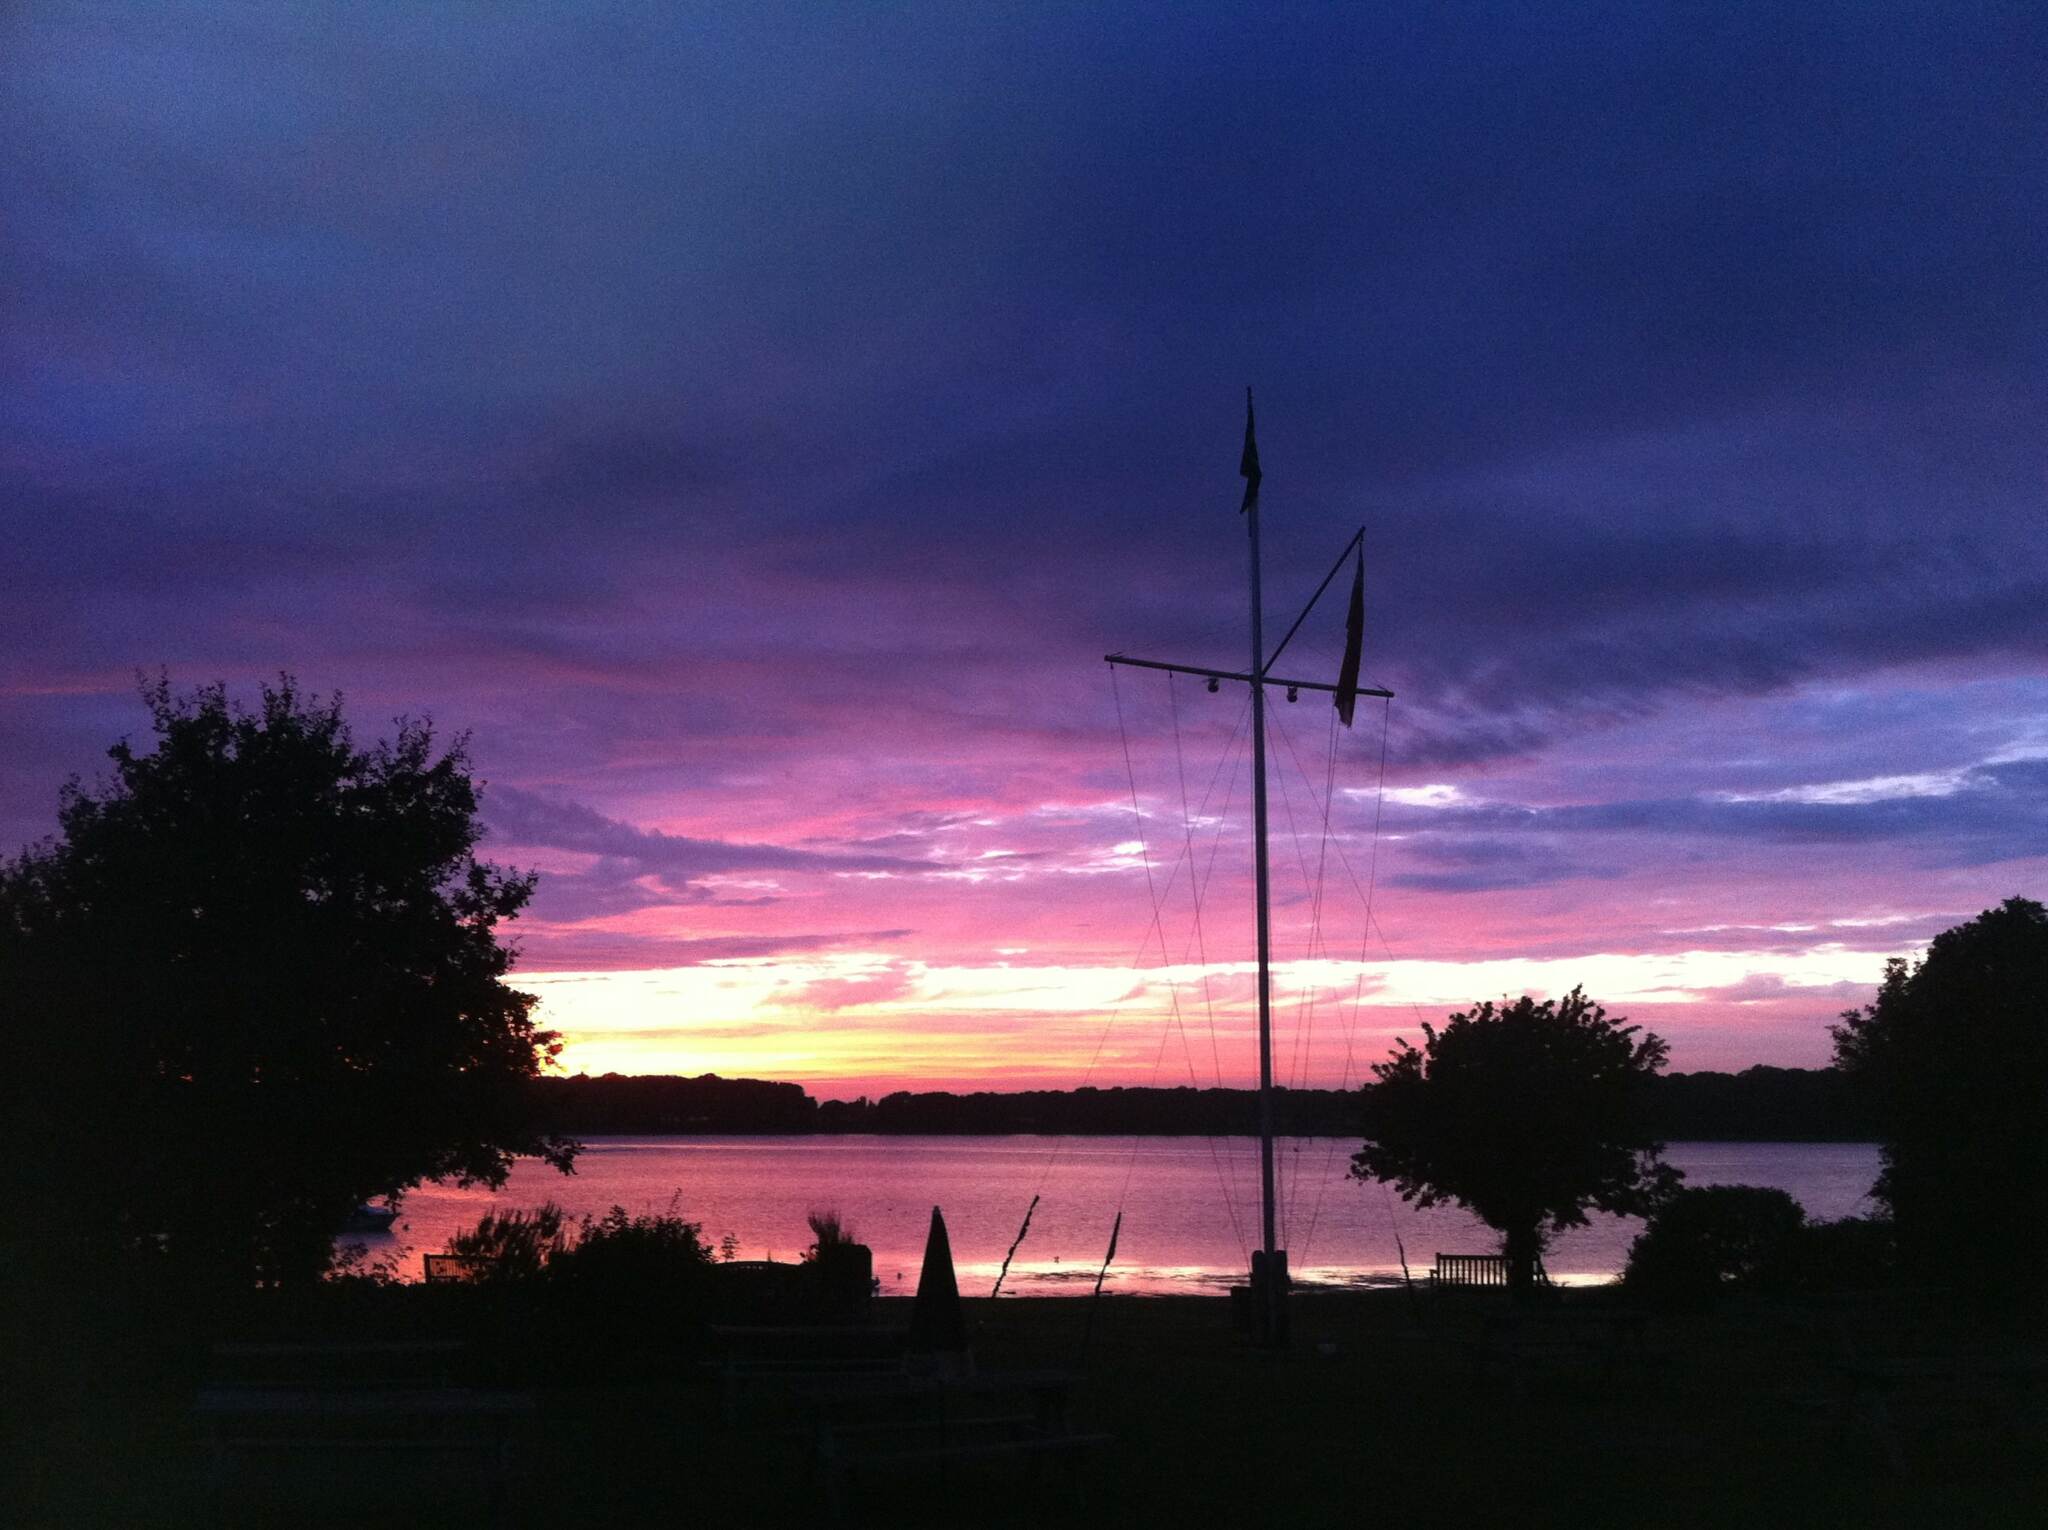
1268 1291
1269 1280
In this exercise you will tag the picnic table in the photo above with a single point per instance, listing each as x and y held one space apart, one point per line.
758 1359
1892 1397
317 1416
887 1425
351 1363
1563 1338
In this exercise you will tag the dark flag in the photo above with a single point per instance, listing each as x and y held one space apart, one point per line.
1354 643
1248 465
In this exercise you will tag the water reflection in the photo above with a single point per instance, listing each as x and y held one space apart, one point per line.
1190 1205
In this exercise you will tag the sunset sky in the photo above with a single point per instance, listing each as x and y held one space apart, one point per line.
753 424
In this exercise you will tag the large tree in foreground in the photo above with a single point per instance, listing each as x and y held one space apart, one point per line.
1952 1058
256 979
1528 1115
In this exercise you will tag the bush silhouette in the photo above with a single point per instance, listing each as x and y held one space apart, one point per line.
1705 1238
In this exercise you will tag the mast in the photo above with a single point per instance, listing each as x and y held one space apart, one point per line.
1268 1200
1269 1265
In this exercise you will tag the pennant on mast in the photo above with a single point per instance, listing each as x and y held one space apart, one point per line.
1354 643
1248 465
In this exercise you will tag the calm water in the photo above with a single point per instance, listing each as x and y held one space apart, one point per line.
1190 1204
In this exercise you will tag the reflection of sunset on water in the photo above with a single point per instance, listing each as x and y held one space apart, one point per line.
1188 1203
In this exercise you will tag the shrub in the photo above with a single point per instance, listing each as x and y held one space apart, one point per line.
828 1230
616 1251
627 1256
516 1245
1703 1239
631 1288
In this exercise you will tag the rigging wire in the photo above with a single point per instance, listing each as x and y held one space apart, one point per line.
1305 1011
1303 1064
1116 1009
1201 878
1123 1194
1280 1175
1306 1049
1358 982
1239 1166
1200 874
1157 926
1188 831
1201 951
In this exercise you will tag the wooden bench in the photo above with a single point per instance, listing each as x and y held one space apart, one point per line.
454 1269
1475 1271
1453 1271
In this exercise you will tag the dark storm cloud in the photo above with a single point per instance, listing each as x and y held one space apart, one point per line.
1990 814
1481 863
603 950
523 818
692 401
536 305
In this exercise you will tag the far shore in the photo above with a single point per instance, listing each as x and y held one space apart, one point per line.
1863 1140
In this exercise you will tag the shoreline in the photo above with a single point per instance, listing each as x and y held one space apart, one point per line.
724 1135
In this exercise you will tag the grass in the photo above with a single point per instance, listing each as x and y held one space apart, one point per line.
1734 1417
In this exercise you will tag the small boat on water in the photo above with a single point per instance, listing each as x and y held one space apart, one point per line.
369 1219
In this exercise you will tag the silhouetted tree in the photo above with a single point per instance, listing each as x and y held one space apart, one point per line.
1953 1058
1527 1115
255 980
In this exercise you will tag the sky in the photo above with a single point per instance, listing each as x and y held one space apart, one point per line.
753 424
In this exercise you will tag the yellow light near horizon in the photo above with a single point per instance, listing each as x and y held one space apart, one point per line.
873 1015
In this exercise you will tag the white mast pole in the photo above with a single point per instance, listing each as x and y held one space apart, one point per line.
1267 1292
1269 1263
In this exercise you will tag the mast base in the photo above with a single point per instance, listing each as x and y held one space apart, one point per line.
1268 1292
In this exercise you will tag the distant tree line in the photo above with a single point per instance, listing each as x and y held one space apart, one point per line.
1756 1105
619 1104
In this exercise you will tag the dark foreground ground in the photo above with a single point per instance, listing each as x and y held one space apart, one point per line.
1386 1410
